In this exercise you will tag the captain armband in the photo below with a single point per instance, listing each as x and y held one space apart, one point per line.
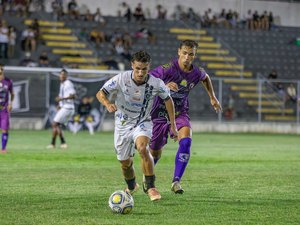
167 98
105 91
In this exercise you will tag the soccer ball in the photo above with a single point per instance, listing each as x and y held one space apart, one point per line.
121 202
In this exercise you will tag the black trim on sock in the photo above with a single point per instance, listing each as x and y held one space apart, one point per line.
150 180
62 140
131 183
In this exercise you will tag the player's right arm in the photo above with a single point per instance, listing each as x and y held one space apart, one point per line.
109 87
171 112
102 98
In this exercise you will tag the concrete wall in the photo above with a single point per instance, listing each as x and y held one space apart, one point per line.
231 127
288 12
198 126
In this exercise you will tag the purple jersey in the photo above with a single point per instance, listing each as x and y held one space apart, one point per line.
6 87
186 81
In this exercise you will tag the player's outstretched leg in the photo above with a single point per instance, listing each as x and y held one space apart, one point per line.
150 189
181 161
4 141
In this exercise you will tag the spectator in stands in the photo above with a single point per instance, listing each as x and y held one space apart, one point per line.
161 12
178 13
192 16
127 39
83 116
97 36
205 21
3 39
249 20
271 20
19 6
28 40
264 21
273 76
57 9
138 13
98 17
229 18
121 50
291 93
28 61
12 36
281 92
44 60
84 33
125 11
2 7
73 9
117 33
146 33
87 16
221 20
36 29
256 21
230 110
113 64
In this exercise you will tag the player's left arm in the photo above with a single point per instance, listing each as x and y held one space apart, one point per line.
12 96
210 90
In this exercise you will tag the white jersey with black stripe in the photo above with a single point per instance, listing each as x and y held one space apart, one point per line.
134 102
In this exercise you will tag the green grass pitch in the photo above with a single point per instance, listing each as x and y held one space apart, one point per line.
231 179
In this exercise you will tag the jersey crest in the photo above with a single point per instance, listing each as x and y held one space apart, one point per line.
183 83
167 65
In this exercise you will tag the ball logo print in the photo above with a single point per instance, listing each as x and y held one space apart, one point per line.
121 202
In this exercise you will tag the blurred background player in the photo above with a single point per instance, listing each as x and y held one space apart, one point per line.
135 92
84 116
181 76
6 99
66 109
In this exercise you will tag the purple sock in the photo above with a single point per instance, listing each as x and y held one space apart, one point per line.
4 140
182 158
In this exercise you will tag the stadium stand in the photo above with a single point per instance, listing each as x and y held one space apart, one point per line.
237 56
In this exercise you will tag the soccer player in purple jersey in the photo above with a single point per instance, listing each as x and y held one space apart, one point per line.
6 89
181 76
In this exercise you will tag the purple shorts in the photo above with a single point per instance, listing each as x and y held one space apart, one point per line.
161 129
4 119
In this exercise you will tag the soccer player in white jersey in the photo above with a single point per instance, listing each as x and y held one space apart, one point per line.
135 91
66 109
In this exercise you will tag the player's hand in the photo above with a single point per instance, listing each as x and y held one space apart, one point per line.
111 107
57 99
175 133
216 104
172 86
9 107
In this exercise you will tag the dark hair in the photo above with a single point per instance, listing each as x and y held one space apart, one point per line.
189 43
64 71
141 56
1 65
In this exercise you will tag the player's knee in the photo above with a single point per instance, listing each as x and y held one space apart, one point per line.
126 164
156 154
142 147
